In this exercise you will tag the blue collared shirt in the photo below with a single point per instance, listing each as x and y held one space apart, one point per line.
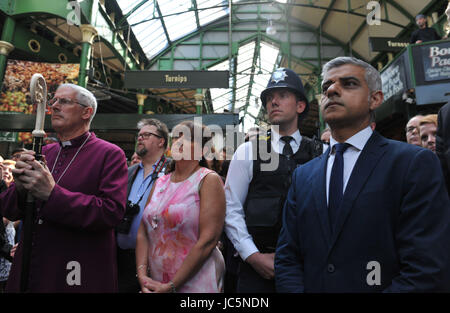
141 185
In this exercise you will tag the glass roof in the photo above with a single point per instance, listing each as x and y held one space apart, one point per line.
156 23
253 73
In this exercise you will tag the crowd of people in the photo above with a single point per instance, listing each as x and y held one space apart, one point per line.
353 212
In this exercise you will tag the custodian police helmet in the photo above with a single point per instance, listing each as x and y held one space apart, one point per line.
286 78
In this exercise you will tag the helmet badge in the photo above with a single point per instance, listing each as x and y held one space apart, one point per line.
279 75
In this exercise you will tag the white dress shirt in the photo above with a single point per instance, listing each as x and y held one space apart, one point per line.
357 142
240 174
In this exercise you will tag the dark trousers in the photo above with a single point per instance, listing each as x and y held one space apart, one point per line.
249 281
126 269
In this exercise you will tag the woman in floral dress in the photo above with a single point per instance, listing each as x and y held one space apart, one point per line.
182 222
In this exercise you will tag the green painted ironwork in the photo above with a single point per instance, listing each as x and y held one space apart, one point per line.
128 14
256 55
84 61
411 66
163 24
194 8
7 35
48 50
401 10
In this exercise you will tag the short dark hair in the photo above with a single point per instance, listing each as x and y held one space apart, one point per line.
161 128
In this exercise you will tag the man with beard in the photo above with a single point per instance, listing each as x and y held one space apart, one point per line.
424 33
151 144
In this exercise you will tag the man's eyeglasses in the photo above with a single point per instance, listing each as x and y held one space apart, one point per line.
63 102
147 135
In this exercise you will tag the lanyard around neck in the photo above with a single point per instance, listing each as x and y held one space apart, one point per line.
155 174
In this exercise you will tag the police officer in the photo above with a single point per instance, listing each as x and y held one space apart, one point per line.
255 194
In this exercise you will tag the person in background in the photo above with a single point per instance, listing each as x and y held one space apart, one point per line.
7 250
7 176
15 154
325 137
412 131
135 159
427 131
424 33
253 133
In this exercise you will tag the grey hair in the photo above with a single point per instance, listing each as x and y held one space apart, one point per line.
83 96
372 76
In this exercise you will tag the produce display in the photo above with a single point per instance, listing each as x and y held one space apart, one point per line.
15 93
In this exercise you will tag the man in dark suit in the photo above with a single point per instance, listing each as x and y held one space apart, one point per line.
443 141
370 214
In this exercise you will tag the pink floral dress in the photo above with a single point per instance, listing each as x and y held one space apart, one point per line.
171 220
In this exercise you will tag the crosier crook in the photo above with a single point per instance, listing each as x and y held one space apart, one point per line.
38 91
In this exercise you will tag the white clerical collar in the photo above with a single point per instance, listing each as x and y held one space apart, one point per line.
66 143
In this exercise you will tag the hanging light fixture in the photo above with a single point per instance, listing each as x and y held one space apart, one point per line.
256 105
270 30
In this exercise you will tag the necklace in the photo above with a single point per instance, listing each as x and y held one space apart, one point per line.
56 160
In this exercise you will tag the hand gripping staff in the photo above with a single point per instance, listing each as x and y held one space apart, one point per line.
38 91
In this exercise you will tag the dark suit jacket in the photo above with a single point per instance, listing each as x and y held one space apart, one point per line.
395 211
132 171
443 141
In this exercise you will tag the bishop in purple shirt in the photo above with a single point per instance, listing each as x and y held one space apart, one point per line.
81 194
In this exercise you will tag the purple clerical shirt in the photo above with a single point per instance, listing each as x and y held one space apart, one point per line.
73 247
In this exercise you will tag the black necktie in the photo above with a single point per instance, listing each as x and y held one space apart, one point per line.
336 188
287 149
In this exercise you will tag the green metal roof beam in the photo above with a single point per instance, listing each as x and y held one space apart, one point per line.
194 8
402 10
124 18
358 31
162 23
233 95
270 39
256 54
312 44
250 3
187 59
324 18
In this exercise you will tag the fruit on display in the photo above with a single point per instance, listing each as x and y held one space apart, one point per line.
15 94
25 137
